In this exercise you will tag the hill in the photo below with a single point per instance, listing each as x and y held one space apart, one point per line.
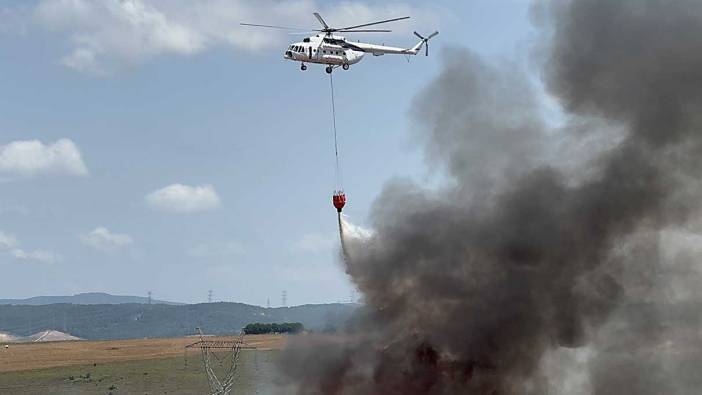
130 321
84 298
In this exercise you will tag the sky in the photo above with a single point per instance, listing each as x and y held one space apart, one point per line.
157 145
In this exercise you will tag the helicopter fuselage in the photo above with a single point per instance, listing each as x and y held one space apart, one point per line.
333 51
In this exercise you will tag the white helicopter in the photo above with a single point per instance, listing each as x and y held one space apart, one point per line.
335 51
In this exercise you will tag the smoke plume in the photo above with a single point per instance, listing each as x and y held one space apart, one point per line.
550 264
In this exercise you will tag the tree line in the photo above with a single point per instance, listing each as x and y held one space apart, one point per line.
285 327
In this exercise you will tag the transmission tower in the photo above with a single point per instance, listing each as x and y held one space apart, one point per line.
285 298
149 293
209 296
213 359
268 303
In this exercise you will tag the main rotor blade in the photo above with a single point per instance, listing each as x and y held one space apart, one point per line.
275 27
432 35
372 23
319 18
364 31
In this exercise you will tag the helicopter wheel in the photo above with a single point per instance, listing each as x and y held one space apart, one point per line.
345 66
303 67
329 69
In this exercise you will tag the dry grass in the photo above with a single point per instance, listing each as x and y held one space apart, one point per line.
28 356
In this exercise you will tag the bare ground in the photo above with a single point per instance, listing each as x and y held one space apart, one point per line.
31 356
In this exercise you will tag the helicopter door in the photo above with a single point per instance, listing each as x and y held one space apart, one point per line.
310 54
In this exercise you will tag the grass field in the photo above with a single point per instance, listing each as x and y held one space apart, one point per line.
155 366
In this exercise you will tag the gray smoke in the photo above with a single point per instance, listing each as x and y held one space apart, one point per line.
484 286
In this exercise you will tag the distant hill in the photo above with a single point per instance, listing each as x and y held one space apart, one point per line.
84 298
127 321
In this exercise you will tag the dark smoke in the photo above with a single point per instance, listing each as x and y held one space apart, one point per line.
520 276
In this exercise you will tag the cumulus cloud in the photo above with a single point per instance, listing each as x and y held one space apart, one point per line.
28 158
181 198
105 33
10 245
102 239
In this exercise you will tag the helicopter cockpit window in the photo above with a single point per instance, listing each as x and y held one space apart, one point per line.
306 40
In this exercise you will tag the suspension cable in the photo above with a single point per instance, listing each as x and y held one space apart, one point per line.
338 175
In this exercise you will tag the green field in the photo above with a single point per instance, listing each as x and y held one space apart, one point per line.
156 376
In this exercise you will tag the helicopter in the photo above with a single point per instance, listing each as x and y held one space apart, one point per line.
335 51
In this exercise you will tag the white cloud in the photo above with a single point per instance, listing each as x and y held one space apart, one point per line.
9 244
102 239
315 242
31 158
82 59
106 33
36 256
217 250
181 198
7 241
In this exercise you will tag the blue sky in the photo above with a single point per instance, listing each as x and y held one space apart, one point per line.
157 145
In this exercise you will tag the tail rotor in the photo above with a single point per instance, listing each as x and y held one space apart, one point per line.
425 40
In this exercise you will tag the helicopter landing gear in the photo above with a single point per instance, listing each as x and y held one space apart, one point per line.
329 69
303 67
345 66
